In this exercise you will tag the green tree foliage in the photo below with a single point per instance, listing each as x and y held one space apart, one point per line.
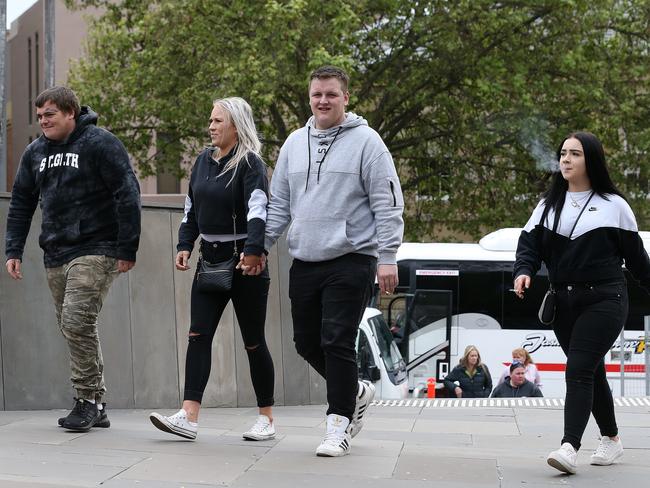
471 96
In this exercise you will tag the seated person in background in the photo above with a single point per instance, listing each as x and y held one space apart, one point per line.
471 378
520 355
516 385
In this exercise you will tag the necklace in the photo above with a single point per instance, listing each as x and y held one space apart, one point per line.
577 204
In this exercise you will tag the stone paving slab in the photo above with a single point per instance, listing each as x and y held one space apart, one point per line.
400 447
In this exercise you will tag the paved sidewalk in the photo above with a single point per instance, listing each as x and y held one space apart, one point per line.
400 447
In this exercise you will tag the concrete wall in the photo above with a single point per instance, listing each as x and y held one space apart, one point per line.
143 329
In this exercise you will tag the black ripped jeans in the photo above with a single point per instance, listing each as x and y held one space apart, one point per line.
588 320
249 295
327 303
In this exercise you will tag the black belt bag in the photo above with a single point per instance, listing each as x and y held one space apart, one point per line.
214 277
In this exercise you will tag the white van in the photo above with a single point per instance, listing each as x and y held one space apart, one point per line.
378 357
453 295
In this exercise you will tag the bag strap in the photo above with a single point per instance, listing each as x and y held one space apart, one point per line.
556 221
234 218
580 214
234 221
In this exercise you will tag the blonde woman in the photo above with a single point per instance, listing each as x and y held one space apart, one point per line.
521 356
226 207
471 378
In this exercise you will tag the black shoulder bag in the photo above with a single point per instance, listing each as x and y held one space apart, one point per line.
217 277
546 313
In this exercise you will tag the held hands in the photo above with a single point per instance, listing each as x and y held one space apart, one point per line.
13 268
124 266
387 278
182 260
522 283
251 265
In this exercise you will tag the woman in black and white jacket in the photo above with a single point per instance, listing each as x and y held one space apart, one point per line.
584 230
226 206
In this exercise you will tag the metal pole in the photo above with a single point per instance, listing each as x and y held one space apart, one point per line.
3 96
48 27
622 358
647 354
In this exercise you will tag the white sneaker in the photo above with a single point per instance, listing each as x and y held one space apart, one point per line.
607 452
564 459
175 424
364 396
262 430
337 440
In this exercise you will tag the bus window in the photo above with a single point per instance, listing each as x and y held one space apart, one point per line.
480 293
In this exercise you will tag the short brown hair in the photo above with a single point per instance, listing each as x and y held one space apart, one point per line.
63 97
325 72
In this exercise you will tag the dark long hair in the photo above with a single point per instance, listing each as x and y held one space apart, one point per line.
601 182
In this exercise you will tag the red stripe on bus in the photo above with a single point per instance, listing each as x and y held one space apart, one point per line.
610 368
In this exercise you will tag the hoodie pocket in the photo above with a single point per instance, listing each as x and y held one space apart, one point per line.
395 193
318 239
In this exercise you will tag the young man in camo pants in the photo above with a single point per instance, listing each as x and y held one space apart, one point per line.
90 201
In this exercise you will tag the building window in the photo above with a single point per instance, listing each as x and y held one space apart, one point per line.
37 60
29 78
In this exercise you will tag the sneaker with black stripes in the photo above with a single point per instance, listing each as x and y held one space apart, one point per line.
337 439
365 394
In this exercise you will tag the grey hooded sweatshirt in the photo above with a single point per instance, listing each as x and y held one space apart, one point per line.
339 190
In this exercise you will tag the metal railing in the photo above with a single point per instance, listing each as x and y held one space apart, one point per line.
634 358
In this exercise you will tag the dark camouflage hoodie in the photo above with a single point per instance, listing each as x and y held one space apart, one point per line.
89 196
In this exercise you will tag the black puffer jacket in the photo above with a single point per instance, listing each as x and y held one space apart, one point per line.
89 196
478 386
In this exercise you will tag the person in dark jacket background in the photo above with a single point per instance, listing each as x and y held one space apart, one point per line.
471 378
583 229
226 207
516 385
90 202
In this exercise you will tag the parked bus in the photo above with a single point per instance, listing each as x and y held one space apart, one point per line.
453 295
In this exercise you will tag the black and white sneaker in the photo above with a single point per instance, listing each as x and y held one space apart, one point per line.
364 397
102 422
337 439
83 417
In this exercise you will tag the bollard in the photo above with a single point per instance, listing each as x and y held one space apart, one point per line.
431 388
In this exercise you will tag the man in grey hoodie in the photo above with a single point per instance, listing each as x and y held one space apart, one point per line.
336 184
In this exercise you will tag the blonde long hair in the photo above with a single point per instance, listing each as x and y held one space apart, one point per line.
240 114
464 361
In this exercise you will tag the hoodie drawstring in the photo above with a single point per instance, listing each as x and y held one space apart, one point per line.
320 163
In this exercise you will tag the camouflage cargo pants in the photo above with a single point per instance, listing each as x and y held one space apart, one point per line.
79 288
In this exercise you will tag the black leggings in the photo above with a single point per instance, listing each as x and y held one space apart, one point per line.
588 320
249 295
